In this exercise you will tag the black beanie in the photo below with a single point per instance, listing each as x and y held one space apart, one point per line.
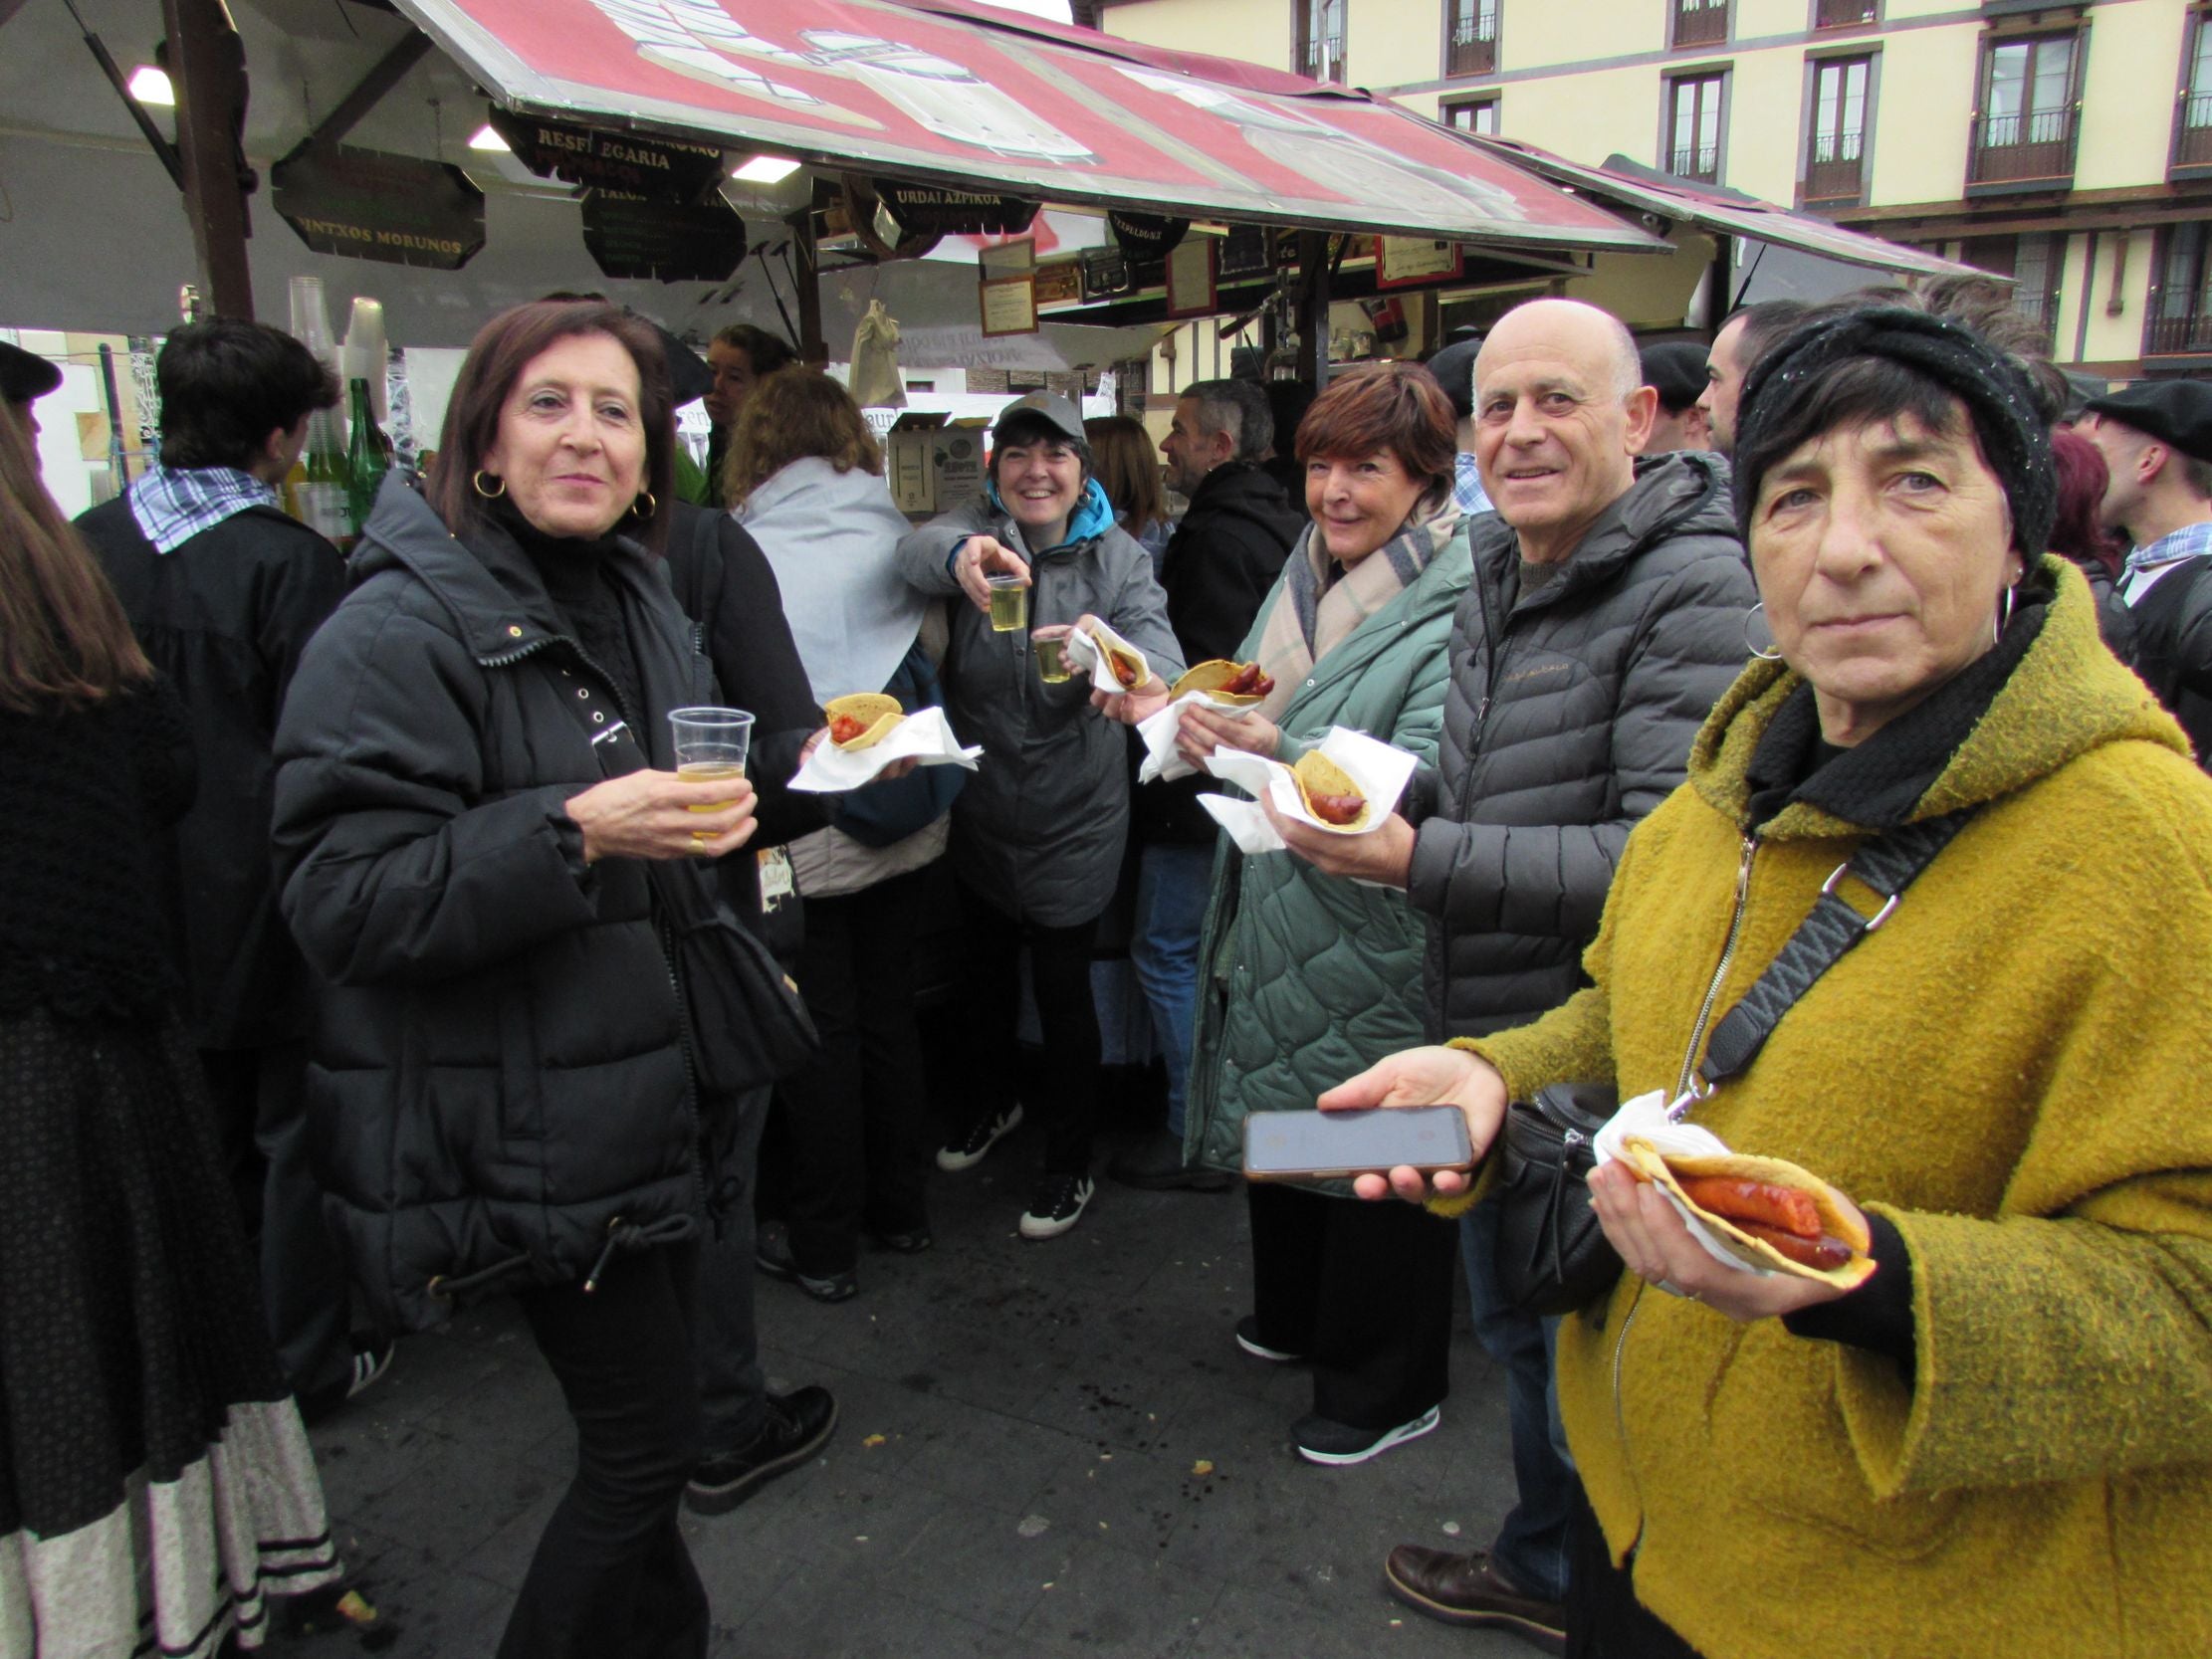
1983 377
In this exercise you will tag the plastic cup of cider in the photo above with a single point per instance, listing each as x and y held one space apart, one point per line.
1009 603
1053 663
710 744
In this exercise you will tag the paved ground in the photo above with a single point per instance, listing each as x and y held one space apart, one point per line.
1017 1470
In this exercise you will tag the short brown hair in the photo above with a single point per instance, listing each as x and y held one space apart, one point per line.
64 640
1128 470
1394 406
502 349
792 414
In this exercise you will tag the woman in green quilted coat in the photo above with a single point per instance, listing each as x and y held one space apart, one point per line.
1307 977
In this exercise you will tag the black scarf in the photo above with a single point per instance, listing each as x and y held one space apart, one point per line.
578 577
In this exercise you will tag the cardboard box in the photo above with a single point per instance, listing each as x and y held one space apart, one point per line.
933 463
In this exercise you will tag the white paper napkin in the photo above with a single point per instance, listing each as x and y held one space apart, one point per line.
1646 1118
922 735
1379 770
1087 654
1158 730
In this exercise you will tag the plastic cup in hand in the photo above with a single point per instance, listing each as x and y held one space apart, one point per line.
1009 603
710 742
1053 663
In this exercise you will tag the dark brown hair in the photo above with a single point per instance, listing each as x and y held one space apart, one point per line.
792 414
502 349
63 638
1394 406
1127 467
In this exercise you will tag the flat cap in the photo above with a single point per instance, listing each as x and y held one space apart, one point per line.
1050 408
25 375
2176 412
1677 369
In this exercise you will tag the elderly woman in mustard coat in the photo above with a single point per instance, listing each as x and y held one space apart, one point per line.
2001 1441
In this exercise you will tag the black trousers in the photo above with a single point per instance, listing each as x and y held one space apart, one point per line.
612 1578
855 1121
1604 1618
1061 976
1365 1290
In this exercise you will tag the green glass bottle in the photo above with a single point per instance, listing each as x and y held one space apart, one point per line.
320 494
367 458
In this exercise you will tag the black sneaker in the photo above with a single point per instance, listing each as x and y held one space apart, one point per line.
1056 1205
1247 1339
1155 1164
911 1242
771 1254
1320 1440
981 1135
371 1360
799 1424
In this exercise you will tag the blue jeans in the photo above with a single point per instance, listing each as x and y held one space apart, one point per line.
1533 1541
1173 884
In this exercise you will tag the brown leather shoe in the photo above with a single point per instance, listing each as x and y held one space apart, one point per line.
1466 1589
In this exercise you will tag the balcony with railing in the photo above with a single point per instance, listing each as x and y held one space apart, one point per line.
1321 57
1834 167
1842 14
1472 49
2185 336
2023 151
1698 161
2192 136
1700 22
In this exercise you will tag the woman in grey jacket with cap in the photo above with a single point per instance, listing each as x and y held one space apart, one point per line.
1037 834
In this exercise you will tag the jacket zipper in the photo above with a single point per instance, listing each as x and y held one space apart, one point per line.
1681 1087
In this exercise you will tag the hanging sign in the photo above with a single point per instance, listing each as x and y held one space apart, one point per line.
659 170
1189 280
668 242
1402 260
1144 237
930 209
371 204
1247 251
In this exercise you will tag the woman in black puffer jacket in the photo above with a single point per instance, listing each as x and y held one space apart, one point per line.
476 768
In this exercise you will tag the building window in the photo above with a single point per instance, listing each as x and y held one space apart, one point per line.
2035 263
1844 14
2192 134
1700 22
1694 128
1835 160
2180 320
1471 47
1319 48
1472 114
2025 131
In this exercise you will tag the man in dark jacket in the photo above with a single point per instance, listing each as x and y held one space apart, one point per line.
1606 615
1224 560
224 591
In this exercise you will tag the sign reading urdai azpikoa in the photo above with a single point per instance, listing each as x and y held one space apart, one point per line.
369 204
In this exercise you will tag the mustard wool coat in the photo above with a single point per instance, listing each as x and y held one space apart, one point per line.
2017 1070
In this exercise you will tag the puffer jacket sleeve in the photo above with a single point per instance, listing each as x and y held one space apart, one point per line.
1137 609
923 551
393 866
1551 878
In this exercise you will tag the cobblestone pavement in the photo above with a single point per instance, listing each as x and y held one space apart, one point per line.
1043 1450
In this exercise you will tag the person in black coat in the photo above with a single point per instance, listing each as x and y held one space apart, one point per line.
1224 560
483 847
224 590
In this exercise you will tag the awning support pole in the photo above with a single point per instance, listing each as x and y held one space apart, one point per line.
390 70
1313 308
163 150
208 60
808 279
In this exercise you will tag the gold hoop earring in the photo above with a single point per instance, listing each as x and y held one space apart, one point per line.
1773 652
651 507
489 495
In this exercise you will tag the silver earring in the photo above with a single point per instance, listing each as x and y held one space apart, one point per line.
2004 615
1773 653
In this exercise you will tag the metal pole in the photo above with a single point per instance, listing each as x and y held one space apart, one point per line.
209 63
1313 308
806 277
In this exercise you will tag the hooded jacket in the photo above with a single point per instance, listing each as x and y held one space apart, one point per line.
1038 831
2011 1071
1569 717
499 1081
1307 979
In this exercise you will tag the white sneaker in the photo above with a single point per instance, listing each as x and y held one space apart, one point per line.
1056 1205
981 1135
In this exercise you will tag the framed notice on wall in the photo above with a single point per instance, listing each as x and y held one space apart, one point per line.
1402 261
1009 305
1191 277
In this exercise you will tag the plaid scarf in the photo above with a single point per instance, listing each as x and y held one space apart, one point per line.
1312 615
174 505
2189 541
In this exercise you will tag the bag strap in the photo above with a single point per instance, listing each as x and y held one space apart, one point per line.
1886 864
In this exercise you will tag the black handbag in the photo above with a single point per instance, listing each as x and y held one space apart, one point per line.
749 1026
1552 1257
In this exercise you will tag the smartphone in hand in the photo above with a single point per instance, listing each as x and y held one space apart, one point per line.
1321 1146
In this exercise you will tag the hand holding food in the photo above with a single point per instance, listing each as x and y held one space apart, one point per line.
1330 794
1239 683
1765 1210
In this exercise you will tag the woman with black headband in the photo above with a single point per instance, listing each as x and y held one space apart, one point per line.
1995 1442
